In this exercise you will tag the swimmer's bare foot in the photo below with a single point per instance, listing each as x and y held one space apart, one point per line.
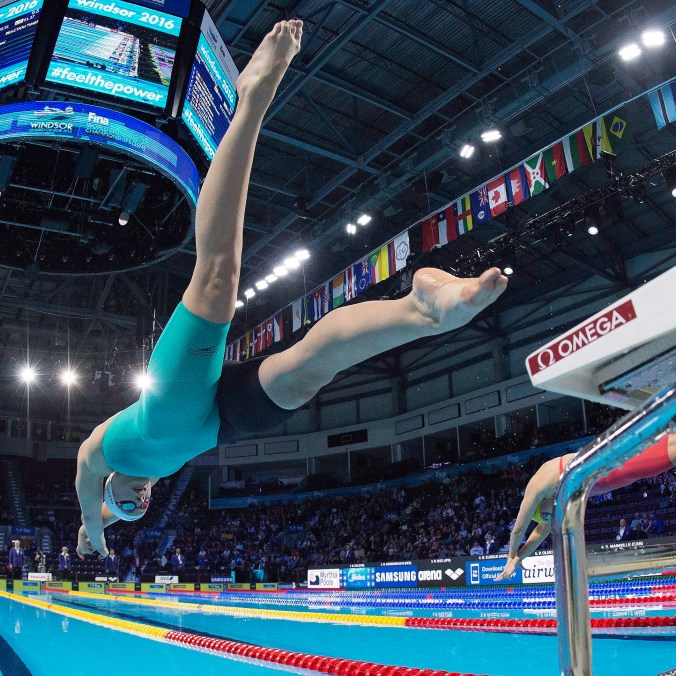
449 302
258 82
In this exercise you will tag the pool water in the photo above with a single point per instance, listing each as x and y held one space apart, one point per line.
41 640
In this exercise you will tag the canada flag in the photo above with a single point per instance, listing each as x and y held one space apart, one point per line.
497 196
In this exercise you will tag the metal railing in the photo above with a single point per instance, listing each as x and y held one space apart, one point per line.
626 438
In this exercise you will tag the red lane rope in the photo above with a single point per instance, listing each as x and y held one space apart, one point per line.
325 665
540 626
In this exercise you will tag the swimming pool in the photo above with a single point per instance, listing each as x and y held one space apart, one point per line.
80 633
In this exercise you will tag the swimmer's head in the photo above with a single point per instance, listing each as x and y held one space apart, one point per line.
127 497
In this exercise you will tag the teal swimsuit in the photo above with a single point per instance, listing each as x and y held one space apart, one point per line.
177 417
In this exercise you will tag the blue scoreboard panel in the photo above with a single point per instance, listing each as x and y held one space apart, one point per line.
116 48
210 96
18 22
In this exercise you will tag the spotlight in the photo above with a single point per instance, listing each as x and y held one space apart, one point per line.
653 38
249 293
124 218
491 135
261 285
351 229
670 178
270 278
629 52
68 378
280 271
364 219
142 381
28 374
291 263
467 151
302 255
593 230
508 269
239 303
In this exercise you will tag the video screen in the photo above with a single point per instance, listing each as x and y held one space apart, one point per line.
210 97
116 48
18 23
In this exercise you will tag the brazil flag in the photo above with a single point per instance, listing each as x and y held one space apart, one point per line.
612 132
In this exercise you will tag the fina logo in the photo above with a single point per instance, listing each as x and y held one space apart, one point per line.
97 119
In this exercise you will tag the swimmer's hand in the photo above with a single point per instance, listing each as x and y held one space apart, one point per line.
87 544
510 568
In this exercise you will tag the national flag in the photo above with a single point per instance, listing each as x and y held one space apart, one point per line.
463 215
611 133
260 338
497 196
555 162
350 285
338 289
439 229
398 251
278 327
517 187
297 313
536 176
663 104
269 333
230 352
576 150
481 209
327 299
317 304
238 350
379 263
309 315
362 276
252 344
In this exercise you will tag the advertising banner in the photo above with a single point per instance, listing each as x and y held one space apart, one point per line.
358 578
22 530
484 572
18 23
93 587
325 578
239 586
222 578
121 586
266 586
166 579
27 585
189 586
395 576
3 585
538 569
45 577
153 587
441 573
211 587
59 584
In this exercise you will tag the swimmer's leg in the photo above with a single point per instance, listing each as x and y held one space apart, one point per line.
212 291
439 302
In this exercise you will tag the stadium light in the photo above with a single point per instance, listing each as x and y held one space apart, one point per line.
270 278
280 271
261 285
629 52
467 151
364 219
249 293
291 263
351 229
593 230
68 378
302 255
239 303
28 374
653 38
124 218
508 269
491 135
143 381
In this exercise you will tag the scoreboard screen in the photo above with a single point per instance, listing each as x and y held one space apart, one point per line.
116 48
210 96
18 23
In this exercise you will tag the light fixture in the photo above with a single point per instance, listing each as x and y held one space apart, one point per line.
351 229
261 285
27 374
491 135
670 178
467 151
508 269
68 378
270 278
249 293
291 263
653 37
142 381
280 271
124 218
629 52
593 230
302 255
239 303
364 219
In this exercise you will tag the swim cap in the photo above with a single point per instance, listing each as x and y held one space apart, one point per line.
539 517
112 505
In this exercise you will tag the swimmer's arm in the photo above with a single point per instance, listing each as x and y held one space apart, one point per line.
535 491
535 539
